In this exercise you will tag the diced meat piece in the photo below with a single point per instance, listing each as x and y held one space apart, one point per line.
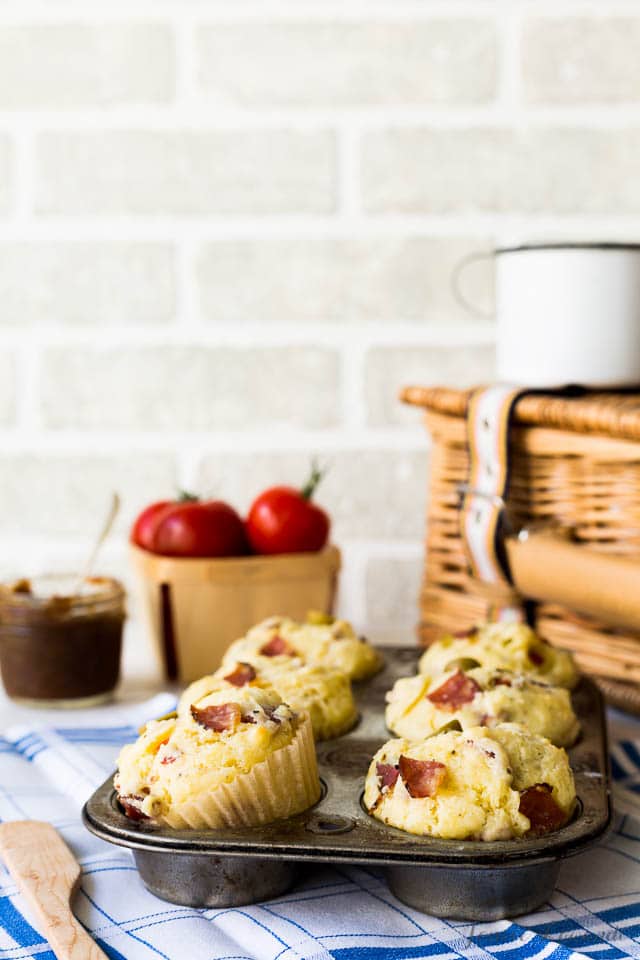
388 774
271 713
457 690
243 674
538 805
536 657
130 806
218 717
171 758
277 647
502 682
268 710
421 777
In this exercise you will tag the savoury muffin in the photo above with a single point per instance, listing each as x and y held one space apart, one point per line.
479 784
236 759
508 646
282 642
324 694
230 678
419 706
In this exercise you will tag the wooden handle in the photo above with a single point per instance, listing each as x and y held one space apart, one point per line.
46 873
547 567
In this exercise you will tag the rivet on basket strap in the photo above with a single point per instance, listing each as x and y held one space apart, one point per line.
482 511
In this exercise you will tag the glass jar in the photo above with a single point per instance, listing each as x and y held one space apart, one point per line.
61 640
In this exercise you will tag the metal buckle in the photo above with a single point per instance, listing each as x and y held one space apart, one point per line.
464 489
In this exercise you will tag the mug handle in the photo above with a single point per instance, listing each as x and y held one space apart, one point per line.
456 287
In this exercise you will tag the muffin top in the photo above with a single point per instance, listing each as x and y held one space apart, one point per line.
509 646
281 641
478 784
231 678
324 694
223 734
419 706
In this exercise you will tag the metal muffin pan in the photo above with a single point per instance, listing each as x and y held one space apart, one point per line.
465 880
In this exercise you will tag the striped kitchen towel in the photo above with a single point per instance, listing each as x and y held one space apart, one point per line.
345 914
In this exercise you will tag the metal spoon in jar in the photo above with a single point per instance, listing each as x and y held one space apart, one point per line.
114 507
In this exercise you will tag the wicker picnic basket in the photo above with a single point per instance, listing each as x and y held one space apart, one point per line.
575 462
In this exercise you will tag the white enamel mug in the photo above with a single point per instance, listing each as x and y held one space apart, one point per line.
568 314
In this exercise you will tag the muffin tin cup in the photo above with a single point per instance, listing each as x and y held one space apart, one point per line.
475 893
205 880
468 880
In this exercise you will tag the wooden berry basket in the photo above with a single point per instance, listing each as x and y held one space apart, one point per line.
193 609
575 462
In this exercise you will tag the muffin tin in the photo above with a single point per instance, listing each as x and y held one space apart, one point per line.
466 880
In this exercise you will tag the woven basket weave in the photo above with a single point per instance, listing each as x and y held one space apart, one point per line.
575 461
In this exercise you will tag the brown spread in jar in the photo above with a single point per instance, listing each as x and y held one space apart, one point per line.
60 639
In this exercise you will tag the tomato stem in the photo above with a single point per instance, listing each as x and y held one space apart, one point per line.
185 497
317 473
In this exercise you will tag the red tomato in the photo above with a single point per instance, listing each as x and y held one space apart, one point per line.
192 528
143 529
208 529
284 520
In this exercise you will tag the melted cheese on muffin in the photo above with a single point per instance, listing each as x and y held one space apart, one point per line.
419 706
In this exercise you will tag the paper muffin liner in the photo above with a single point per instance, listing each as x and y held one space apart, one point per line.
283 784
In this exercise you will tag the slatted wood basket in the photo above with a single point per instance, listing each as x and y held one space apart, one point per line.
575 461
193 608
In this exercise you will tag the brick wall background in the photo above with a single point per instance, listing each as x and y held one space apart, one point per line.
227 232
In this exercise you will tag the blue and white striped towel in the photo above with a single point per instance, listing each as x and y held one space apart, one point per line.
345 914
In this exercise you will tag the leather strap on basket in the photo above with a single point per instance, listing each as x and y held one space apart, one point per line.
482 511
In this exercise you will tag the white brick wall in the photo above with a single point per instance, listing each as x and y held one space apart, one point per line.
86 282
59 65
352 63
227 234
